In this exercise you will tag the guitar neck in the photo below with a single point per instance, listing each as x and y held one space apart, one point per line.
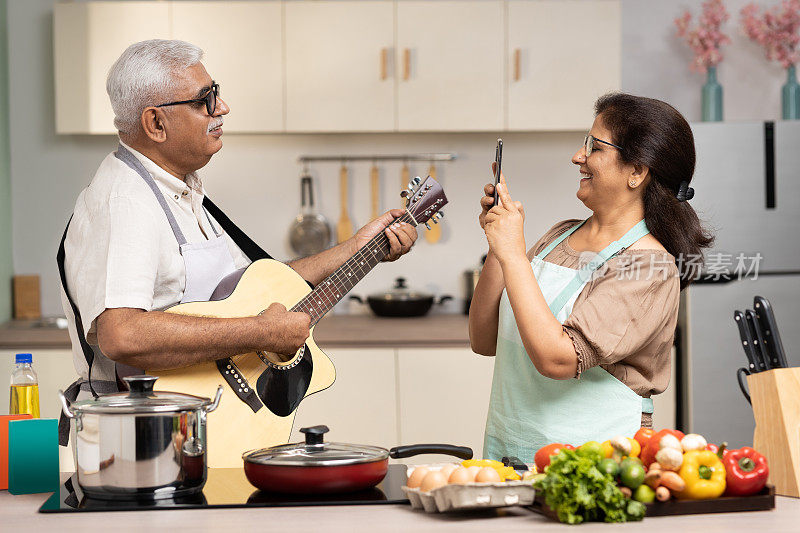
333 288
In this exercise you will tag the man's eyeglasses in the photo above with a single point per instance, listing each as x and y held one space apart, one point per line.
588 144
210 99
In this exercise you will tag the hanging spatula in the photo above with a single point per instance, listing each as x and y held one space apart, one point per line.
375 186
405 176
435 233
344 229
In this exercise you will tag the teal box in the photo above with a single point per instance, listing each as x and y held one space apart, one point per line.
33 456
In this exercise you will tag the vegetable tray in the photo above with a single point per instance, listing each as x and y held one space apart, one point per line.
763 501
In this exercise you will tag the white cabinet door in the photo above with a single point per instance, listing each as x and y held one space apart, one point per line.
361 405
87 39
338 70
243 53
563 54
444 397
450 65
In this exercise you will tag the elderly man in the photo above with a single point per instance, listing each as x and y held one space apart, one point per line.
143 237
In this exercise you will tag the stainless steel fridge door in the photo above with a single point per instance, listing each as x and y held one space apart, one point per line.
716 407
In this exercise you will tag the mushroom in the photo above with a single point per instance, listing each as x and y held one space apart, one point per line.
693 441
670 459
622 446
670 441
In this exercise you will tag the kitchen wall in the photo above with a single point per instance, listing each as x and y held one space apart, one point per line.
6 265
255 178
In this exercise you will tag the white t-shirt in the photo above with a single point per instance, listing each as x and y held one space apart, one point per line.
121 251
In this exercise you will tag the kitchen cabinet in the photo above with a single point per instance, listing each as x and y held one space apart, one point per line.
450 67
563 54
87 39
338 66
443 397
244 55
360 407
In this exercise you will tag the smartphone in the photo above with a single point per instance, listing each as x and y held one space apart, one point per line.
498 159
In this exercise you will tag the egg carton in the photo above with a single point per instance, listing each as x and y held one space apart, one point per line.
462 497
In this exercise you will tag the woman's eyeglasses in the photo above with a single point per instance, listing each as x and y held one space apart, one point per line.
588 144
210 99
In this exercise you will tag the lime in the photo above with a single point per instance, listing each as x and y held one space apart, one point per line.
628 460
590 448
609 466
644 494
631 474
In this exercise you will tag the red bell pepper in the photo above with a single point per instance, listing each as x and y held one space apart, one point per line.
746 471
648 455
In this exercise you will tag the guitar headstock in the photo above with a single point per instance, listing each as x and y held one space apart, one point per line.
425 198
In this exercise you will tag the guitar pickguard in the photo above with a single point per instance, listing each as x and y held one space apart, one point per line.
282 388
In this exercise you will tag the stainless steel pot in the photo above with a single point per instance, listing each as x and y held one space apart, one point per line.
140 444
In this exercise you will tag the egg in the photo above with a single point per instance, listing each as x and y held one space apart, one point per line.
487 474
433 480
416 477
448 469
461 475
473 471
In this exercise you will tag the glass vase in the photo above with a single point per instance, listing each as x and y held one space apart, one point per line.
790 95
712 97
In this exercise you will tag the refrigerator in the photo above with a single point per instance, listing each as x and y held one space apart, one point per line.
747 191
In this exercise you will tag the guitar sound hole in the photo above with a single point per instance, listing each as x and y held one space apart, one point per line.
280 360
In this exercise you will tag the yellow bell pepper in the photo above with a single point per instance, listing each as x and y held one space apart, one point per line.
704 474
636 449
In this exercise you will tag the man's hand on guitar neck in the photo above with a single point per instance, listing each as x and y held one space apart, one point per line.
401 238
401 235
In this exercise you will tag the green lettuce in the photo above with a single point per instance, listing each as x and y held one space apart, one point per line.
579 492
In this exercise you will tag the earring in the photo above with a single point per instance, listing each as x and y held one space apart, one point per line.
632 183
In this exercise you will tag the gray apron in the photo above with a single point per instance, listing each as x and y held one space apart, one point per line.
206 263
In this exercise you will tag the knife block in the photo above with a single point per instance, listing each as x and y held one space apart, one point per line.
776 405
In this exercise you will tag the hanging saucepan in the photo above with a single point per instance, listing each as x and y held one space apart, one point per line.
400 301
310 232
317 467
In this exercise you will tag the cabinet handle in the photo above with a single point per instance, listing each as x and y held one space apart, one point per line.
406 64
384 54
516 63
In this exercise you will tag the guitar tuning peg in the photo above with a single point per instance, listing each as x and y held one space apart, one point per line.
417 181
427 225
434 220
440 215
411 185
403 194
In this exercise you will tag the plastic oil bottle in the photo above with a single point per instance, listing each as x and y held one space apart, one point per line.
24 388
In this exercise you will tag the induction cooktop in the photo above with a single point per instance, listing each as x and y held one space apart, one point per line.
228 487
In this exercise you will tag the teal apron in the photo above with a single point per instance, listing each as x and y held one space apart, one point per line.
528 410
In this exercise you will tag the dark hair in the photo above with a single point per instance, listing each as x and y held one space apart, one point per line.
654 134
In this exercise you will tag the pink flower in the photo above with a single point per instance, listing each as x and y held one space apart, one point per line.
776 30
705 39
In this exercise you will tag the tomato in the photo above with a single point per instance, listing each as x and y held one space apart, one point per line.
648 454
643 436
591 447
542 457
631 475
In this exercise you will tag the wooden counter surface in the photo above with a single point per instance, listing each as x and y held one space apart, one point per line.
19 513
356 331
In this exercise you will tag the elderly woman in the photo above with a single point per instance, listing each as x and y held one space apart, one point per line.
582 325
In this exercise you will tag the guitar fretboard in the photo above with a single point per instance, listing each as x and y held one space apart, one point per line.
333 288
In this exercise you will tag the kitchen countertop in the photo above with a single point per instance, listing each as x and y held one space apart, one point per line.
19 513
438 330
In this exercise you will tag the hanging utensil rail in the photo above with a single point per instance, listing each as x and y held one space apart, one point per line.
398 157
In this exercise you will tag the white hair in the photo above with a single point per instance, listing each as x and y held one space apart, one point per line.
144 75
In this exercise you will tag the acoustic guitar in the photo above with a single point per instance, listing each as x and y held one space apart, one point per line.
265 389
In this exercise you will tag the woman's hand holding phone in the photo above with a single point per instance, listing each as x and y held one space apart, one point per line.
503 223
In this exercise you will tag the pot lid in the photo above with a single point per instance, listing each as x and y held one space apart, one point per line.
141 399
315 452
400 293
